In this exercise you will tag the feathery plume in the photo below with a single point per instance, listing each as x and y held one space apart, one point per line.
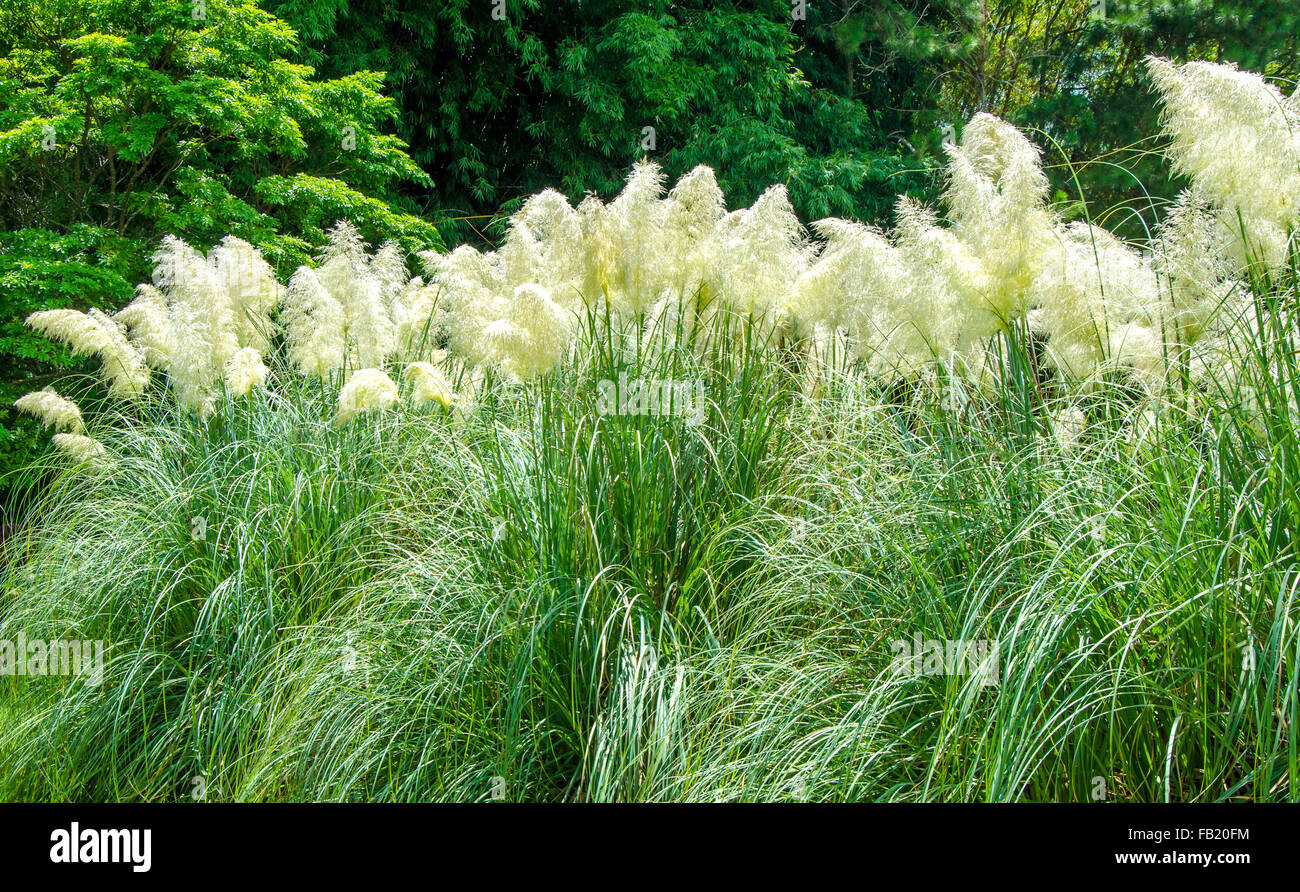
52 410
1238 139
419 318
1100 305
80 447
545 245
531 336
949 301
95 334
1191 251
244 371
148 323
762 253
365 288
250 286
996 199
692 212
429 385
203 321
314 325
475 297
635 228
369 390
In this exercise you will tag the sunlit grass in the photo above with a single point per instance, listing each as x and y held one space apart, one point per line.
533 600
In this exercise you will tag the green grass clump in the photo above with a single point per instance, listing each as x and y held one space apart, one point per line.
531 600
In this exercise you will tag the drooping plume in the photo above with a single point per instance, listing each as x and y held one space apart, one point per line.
52 410
93 333
80 447
429 385
245 371
149 324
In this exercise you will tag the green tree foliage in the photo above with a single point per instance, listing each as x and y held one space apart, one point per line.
501 100
124 120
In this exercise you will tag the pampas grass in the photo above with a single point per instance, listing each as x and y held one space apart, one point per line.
398 544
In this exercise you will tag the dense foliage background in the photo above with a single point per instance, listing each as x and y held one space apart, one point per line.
125 120
560 94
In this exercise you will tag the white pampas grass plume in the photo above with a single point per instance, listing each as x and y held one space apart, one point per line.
996 200
344 240
149 325
203 322
314 325
419 317
244 371
369 324
531 336
388 267
1100 305
51 410
949 297
692 212
857 268
861 282
1191 251
763 250
364 287
599 232
429 385
80 447
369 390
695 205
996 163
548 330
251 287
545 244
95 334
522 330
475 297
1238 139
634 228
1140 350
1070 306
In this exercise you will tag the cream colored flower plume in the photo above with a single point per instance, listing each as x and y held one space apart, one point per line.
80 447
52 410
245 371
95 334
429 385
369 390
1238 139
